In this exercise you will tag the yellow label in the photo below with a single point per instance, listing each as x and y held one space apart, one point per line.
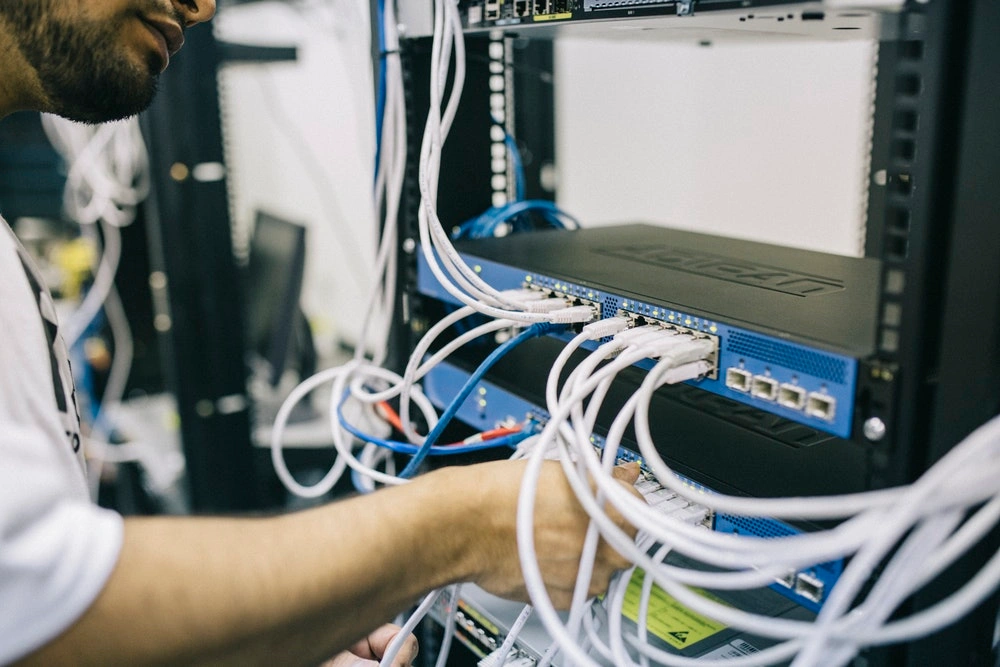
553 17
668 619
479 618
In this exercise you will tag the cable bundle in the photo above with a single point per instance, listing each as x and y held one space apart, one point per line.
108 177
914 532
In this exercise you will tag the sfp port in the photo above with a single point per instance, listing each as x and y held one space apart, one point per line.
788 581
738 379
765 387
808 586
791 396
822 406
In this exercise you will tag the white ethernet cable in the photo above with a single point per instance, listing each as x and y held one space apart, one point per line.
388 193
449 627
498 658
108 177
407 628
968 534
359 375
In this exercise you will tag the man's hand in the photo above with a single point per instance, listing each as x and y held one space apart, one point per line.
560 529
369 651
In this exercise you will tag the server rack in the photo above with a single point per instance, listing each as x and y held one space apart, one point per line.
935 372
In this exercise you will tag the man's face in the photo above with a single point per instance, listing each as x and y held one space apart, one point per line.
99 60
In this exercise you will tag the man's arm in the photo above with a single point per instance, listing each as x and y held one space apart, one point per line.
298 588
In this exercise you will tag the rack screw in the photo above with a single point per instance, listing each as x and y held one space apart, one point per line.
874 429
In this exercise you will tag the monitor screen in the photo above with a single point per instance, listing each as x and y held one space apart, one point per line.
275 271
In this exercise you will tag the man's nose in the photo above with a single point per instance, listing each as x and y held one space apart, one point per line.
195 11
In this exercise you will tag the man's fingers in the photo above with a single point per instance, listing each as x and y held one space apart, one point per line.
379 640
627 472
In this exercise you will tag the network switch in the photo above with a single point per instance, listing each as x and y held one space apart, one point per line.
709 16
672 626
789 326
495 405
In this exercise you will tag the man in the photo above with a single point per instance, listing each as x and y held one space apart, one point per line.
81 585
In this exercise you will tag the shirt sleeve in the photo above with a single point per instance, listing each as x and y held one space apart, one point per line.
56 554
57 549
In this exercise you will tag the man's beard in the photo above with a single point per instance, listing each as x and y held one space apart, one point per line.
84 71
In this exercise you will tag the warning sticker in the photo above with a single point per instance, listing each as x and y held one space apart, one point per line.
668 619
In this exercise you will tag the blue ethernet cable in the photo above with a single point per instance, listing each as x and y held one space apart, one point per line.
510 440
534 331
515 157
381 95
485 225
441 450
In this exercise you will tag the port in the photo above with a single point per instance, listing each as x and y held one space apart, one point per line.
765 387
643 320
543 6
492 10
522 7
788 581
820 405
479 634
791 396
738 379
809 586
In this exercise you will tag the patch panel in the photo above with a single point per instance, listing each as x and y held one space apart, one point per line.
476 631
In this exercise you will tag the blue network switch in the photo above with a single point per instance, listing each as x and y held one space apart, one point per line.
804 384
490 406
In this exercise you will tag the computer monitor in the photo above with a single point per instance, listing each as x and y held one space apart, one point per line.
277 328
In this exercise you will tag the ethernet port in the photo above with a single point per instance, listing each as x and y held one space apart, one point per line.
764 387
522 7
809 587
738 379
820 405
791 396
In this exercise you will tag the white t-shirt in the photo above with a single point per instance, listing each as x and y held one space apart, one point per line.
57 549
